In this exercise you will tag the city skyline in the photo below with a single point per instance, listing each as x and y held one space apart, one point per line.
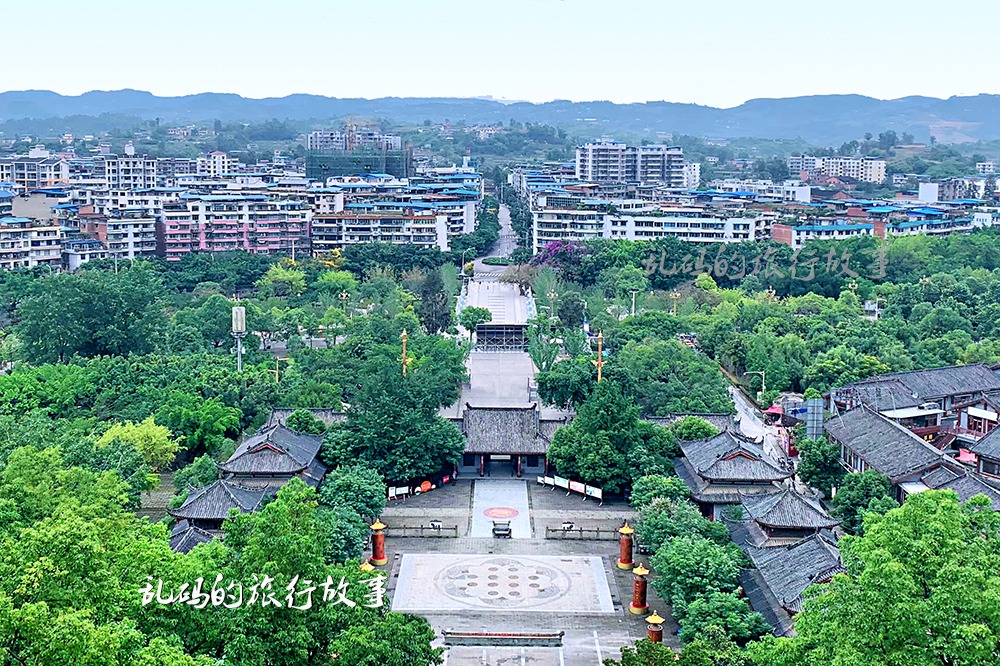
533 51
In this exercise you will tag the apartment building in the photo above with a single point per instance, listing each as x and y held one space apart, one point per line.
215 164
6 202
790 190
615 162
127 233
26 242
986 168
39 168
78 251
797 236
405 225
559 218
126 172
865 169
169 168
224 222
692 175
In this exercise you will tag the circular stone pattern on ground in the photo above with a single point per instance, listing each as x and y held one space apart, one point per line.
458 582
501 513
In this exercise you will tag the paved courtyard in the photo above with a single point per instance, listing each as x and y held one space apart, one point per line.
508 583
431 576
500 500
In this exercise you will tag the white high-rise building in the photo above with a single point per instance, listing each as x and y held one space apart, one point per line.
126 172
865 169
615 162
692 175
217 163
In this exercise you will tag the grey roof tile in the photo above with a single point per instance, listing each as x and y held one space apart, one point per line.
909 389
989 445
276 450
787 509
505 430
185 537
730 457
788 570
213 502
883 444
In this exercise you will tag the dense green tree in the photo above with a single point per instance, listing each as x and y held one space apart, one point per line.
393 427
282 281
595 446
201 425
302 420
212 319
472 317
859 494
435 305
90 314
571 309
201 472
692 566
644 653
841 366
692 428
727 611
155 444
921 587
567 383
652 487
357 487
712 647
665 518
670 378
819 463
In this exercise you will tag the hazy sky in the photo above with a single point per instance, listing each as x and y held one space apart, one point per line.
714 52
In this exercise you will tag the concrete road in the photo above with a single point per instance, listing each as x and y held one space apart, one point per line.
506 244
752 424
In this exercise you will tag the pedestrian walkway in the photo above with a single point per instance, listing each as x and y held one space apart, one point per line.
500 500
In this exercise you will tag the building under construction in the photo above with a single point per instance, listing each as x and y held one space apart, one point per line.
323 164
356 150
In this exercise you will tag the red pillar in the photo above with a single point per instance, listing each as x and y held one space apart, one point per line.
482 465
378 557
654 628
639 605
625 547
519 466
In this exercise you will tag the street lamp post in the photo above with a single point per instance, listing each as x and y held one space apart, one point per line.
634 292
763 380
239 332
675 296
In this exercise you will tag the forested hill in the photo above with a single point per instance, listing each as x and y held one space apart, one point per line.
820 119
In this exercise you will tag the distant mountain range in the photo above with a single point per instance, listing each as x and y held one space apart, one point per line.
819 119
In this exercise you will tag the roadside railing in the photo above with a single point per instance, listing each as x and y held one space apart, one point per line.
426 531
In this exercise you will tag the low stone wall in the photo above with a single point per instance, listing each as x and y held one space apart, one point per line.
552 639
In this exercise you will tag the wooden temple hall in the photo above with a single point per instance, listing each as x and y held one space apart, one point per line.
506 441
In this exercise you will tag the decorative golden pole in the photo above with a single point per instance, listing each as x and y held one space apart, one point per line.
405 360
600 355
